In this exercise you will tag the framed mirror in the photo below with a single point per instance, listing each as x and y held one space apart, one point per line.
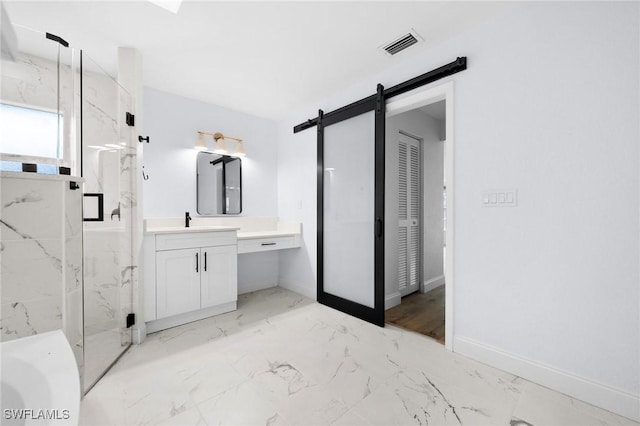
219 184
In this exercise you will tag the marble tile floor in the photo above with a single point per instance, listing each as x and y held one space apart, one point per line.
101 347
282 359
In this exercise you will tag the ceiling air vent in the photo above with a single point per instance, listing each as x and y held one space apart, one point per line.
399 44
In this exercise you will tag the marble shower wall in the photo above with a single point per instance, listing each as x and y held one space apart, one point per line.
73 248
44 286
41 217
31 246
108 163
41 252
102 280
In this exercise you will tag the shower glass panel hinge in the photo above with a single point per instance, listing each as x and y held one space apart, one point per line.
131 120
131 320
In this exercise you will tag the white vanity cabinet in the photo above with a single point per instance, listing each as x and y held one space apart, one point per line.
177 282
219 275
254 242
192 273
196 276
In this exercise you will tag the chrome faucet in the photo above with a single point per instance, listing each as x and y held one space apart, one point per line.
187 219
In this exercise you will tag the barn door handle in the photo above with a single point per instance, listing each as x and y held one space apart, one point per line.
379 228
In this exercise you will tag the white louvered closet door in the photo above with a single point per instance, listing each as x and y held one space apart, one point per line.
409 214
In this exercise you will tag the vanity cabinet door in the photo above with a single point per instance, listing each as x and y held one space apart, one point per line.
177 281
219 279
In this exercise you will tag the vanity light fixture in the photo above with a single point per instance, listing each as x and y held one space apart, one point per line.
221 144
201 144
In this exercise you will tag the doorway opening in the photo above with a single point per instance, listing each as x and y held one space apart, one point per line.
369 304
419 164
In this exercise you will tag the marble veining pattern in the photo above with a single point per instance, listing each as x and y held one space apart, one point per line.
109 267
282 359
41 267
32 272
41 220
41 223
72 318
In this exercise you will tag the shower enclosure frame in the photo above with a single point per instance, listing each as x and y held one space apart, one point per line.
123 314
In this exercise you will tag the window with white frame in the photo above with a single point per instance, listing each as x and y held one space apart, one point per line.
31 134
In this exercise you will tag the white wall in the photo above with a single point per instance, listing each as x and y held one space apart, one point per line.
432 185
297 202
172 123
549 105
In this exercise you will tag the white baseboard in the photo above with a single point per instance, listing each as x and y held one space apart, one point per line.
250 287
433 283
308 291
138 333
168 322
614 400
391 300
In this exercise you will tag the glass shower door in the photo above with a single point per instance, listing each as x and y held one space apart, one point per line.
107 159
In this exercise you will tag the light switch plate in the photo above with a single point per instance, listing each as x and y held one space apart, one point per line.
500 197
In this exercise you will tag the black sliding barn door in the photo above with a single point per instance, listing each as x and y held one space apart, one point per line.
351 208
351 198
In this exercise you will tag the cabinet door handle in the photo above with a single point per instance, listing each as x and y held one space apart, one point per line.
205 261
268 244
197 262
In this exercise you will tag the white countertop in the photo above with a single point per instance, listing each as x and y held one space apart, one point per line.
247 228
265 234
241 235
191 229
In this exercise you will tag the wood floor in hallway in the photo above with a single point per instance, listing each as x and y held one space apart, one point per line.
420 312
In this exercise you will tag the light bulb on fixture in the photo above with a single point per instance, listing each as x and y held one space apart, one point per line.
239 152
201 144
221 146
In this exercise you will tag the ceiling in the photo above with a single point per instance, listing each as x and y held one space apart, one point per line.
263 58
